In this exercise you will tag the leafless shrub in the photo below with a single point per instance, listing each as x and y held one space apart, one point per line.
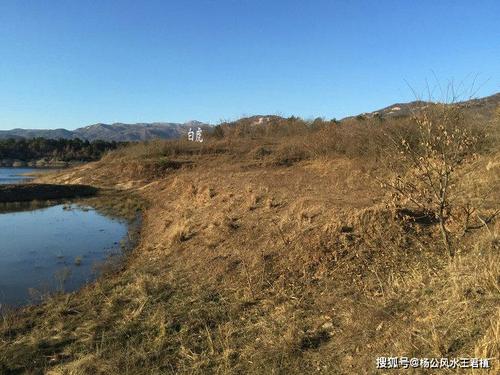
428 169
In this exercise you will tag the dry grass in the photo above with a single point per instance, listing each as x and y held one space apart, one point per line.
267 255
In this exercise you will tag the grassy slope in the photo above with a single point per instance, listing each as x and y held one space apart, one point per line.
252 264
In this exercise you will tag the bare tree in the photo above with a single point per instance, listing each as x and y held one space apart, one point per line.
431 163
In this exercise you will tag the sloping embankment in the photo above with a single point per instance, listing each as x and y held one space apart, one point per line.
244 268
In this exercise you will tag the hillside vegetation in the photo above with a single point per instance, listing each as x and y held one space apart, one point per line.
280 246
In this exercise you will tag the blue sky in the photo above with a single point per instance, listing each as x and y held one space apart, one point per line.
73 63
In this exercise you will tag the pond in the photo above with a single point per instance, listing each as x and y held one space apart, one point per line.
53 249
17 175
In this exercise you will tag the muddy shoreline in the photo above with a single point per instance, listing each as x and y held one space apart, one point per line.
31 192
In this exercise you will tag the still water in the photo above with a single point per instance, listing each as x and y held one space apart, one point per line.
16 175
52 249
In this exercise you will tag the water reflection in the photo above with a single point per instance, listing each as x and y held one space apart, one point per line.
52 248
18 175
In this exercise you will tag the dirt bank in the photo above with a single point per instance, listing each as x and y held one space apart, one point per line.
31 192
249 266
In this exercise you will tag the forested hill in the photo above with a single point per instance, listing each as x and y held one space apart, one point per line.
45 152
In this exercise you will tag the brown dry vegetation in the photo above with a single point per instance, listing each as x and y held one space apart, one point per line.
272 249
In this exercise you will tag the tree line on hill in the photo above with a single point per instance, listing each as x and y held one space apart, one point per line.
67 150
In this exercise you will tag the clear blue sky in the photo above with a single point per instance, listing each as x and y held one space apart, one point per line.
73 63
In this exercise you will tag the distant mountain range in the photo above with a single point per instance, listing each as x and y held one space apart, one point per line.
110 132
483 108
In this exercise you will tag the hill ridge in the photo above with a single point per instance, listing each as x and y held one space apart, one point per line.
117 131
